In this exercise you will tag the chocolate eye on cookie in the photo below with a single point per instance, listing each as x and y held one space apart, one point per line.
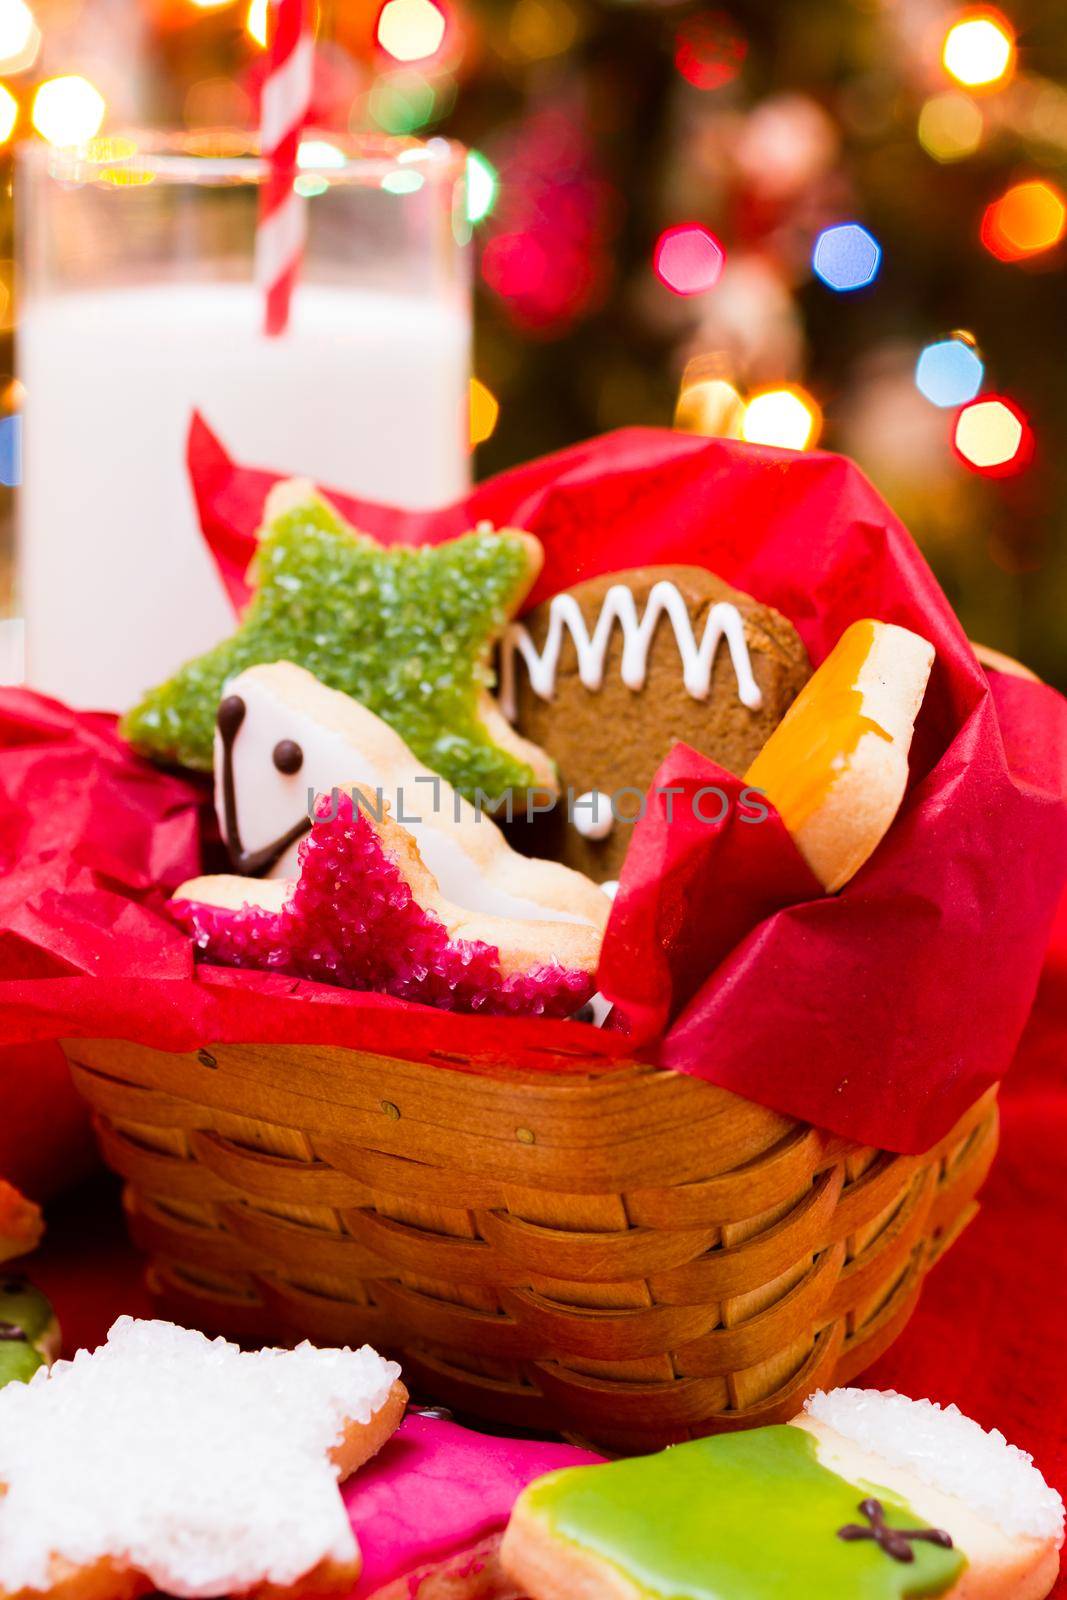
607 676
287 757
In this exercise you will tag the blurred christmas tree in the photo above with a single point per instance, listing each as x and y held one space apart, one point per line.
840 222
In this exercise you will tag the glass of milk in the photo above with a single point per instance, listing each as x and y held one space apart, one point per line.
138 306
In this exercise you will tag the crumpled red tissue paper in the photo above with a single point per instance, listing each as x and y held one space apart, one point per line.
879 1013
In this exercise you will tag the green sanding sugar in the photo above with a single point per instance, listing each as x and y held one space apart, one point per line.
407 631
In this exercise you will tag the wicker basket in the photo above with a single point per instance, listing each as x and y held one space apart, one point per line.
632 1257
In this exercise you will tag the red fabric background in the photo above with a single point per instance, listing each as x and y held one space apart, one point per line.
880 1013
989 1330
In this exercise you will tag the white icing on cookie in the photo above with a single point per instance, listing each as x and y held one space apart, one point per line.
565 615
591 814
342 744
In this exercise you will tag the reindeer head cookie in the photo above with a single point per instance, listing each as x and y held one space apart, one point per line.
607 676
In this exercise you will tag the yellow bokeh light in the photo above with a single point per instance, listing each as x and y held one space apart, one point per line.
787 417
256 22
68 111
9 114
710 406
210 5
126 177
484 411
20 37
539 29
950 126
989 434
411 30
979 51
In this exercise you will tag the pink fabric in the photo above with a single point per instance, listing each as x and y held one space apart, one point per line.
435 1490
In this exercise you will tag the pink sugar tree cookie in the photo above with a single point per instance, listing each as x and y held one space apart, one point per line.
364 912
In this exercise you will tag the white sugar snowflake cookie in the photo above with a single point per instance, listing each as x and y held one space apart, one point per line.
168 1461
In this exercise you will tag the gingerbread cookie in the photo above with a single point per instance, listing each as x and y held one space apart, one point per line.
609 675
168 1461
865 1496
407 631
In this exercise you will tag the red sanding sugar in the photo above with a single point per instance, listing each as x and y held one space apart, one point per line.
353 920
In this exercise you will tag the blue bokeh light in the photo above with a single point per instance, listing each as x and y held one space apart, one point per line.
11 451
949 373
846 257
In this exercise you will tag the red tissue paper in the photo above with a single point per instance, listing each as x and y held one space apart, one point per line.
880 1013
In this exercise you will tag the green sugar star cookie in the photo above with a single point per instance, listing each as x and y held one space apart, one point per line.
407 631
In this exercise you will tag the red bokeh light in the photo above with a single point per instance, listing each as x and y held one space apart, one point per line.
688 259
709 51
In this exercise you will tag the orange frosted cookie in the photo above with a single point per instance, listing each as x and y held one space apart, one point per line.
836 767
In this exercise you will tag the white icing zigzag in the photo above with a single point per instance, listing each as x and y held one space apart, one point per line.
724 622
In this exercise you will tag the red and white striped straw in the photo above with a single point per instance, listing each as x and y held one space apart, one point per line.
284 111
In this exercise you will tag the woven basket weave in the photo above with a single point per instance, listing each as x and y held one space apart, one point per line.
632 1257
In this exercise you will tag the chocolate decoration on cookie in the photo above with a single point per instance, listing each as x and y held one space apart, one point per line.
10 1334
251 863
288 757
896 1542
609 675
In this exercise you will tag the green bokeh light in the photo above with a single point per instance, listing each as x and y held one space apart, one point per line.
483 186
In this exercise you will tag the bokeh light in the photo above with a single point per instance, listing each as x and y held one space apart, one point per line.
411 30
68 110
949 372
688 259
11 451
402 102
979 50
483 186
256 21
950 126
708 50
1030 218
787 417
403 182
993 437
9 114
846 257
711 406
484 411
20 37
540 29
319 153
210 5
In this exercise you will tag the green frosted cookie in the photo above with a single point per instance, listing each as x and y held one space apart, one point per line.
29 1332
406 631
